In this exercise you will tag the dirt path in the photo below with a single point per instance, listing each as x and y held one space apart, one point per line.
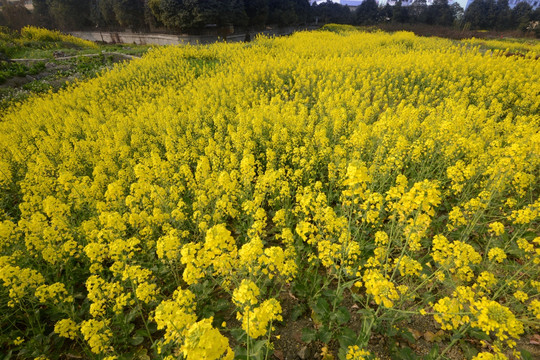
127 56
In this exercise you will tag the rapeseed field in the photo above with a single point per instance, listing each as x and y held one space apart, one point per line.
176 206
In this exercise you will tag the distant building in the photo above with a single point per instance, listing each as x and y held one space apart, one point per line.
410 2
355 3
512 3
27 4
352 3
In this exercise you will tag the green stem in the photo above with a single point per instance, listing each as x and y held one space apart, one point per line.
336 297
139 307
247 335
516 273
456 338
268 340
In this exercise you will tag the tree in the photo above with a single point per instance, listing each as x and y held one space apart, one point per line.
129 13
193 14
15 15
481 14
236 13
418 11
282 12
257 12
457 12
208 12
385 13
504 15
41 14
174 14
330 12
102 13
302 10
367 13
521 15
400 14
442 13
70 14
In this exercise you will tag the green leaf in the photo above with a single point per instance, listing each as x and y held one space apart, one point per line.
300 289
297 311
468 350
526 355
347 337
131 315
405 353
407 335
239 335
342 315
8 355
257 349
136 340
152 327
321 307
309 335
325 335
368 313
433 353
240 353
329 294
391 331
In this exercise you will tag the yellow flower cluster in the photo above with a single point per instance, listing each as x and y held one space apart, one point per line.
97 334
56 293
494 318
246 294
176 315
455 257
490 356
66 328
355 353
257 321
19 281
383 290
205 342
41 34
453 311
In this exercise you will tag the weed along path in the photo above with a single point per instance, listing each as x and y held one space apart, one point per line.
60 58
33 66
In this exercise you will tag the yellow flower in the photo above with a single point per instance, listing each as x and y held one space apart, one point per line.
256 322
246 294
497 228
489 356
521 296
534 308
494 318
382 289
55 293
176 315
66 328
97 334
497 254
202 341
355 353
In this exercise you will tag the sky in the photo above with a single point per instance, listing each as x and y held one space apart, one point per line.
460 2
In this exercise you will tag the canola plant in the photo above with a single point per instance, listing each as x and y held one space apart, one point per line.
172 205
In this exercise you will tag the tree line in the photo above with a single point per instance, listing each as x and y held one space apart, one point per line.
144 15
491 14
195 15
480 14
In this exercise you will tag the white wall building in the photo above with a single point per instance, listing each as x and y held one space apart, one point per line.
512 3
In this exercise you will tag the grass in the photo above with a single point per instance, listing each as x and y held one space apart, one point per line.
46 69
